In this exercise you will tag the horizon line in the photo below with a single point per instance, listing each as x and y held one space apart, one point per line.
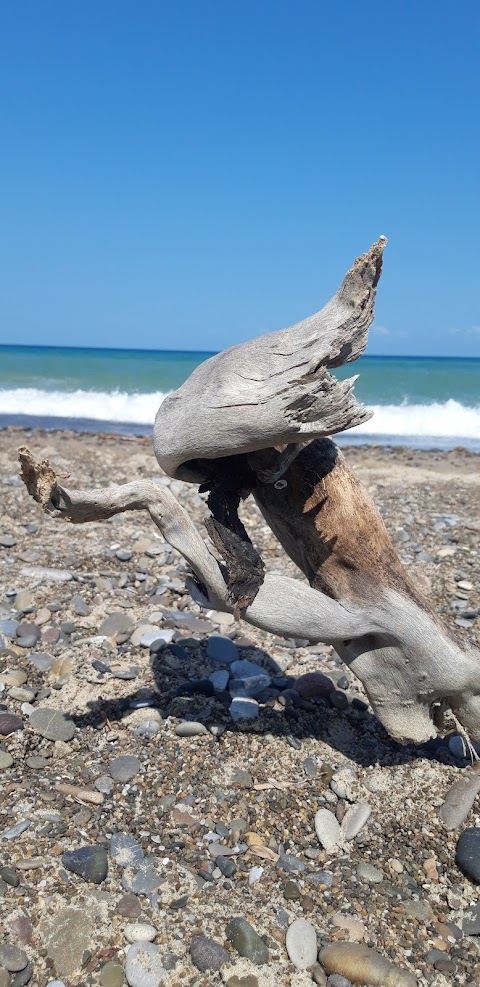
141 349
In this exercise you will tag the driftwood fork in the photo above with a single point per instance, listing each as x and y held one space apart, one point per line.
256 419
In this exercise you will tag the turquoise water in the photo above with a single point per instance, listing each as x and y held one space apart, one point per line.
423 401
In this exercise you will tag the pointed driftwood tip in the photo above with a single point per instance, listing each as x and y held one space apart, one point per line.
39 478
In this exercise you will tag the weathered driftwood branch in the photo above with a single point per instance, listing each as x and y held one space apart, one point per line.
243 422
273 390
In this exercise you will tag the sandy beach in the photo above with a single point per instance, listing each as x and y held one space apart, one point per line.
196 819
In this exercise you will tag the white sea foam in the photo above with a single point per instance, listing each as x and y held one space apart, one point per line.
446 419
108 406
440 420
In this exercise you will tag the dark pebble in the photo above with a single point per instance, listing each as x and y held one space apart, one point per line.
9 723
89 862
227 867
10 876
467 853
207 954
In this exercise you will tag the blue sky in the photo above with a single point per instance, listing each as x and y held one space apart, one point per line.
187 175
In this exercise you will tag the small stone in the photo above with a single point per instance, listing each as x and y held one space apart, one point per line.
367 872
301 944
353 927
117 623
254 875
139 932
221 649
125 851
207 954
459 799
89 862
12 958
244 709
60 983
13 831
144 966
190 728
129 906
124 768
467 854
226 866
314 685
318 975
10 876
14 677
336 980
363 965
22 695
9 723
291 891
242 936
7 541
41 661
23 976
143 880
6 760
52 724
124 554
111 975
219 679
46 573
354 820
327 828
339 700
79 606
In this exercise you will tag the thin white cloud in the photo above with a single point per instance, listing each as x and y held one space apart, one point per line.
381 330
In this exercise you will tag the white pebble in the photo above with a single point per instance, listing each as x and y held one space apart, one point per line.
354 820
327 828
301 943
255 875
139 932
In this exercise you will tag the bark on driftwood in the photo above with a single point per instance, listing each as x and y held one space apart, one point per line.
244 423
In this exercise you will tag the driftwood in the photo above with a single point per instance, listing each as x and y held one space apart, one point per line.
255 420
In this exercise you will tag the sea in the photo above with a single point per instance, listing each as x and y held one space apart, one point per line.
421 402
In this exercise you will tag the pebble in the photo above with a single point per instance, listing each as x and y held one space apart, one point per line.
12 958
242 936
57 983
46 573
467 854
336 980
13 831
14 676
10 876
124 768
301 944
7 541
125 850
219 679
327 828
221 649
22 695
9 723
22 977
41 661
89 862
6 760
124 554
52 724
207 954
111 975
9 628
255 875
143 967
459 799
367 872
244 709
143 880
139 932
117 623
190 728
129 906
314 685
354 820
362 965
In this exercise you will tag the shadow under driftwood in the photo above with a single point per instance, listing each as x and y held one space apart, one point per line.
180 693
